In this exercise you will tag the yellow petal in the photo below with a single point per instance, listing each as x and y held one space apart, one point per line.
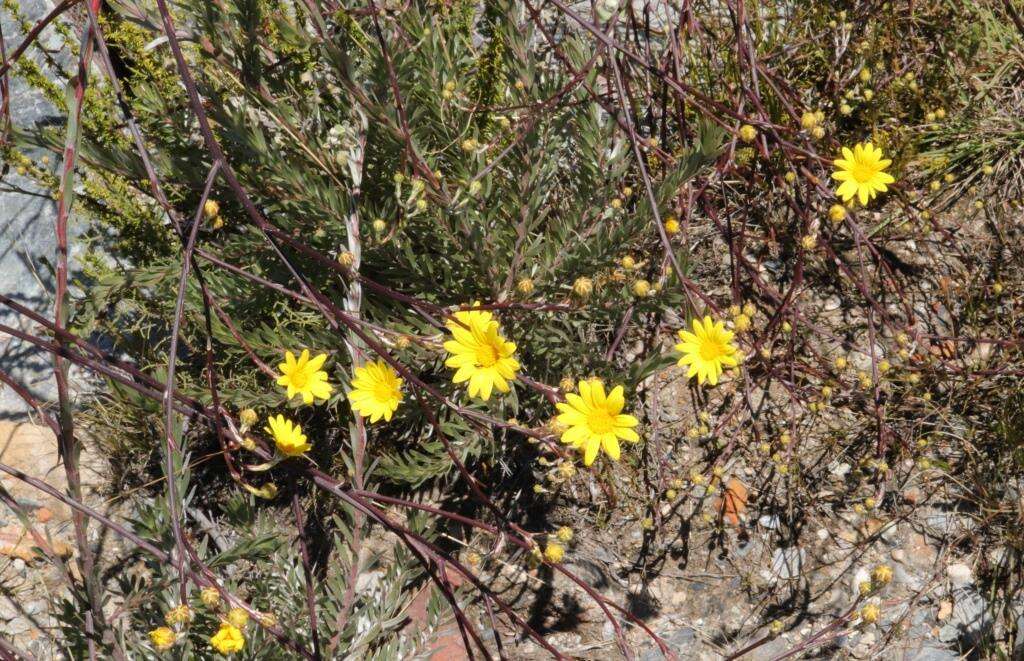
616 400
611 446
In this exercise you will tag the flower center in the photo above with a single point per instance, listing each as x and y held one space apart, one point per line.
299 378
600 422
712 349
486 355
383 392
864 172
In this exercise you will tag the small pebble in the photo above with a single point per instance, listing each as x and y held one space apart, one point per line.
959 574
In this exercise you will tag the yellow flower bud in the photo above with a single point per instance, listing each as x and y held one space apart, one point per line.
238 617
564 534
583 287
379 225
641 288
864 75
211 209
869 614
210 597
525 286
748 133
616 203
671 226
163 638
808 120
882 575
247 417
554 552
818 132
178 615
346 259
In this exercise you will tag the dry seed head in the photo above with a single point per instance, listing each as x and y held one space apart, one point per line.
583 287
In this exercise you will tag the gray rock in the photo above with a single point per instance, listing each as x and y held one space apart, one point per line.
787 562
970 619
931 652
27 237
8 611
682 641
35 607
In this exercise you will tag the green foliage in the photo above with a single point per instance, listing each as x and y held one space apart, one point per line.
488 168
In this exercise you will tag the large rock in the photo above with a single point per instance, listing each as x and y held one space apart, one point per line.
32 449
28 242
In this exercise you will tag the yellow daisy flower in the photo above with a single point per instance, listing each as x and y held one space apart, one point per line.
480 354
287 435
861 171
304 376
376 391
596 421
706 350
228 639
